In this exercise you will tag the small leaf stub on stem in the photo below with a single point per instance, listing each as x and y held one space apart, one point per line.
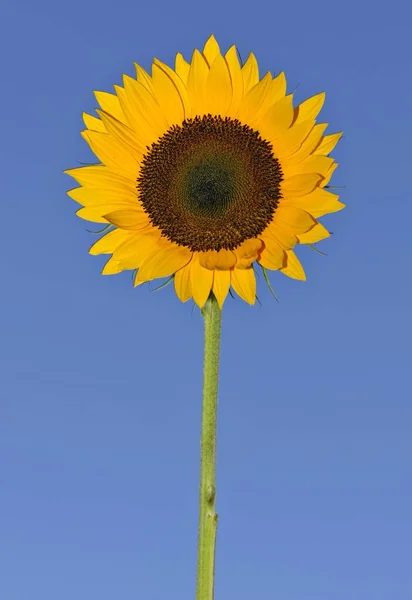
211 494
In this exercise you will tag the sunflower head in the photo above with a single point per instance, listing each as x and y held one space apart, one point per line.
206 170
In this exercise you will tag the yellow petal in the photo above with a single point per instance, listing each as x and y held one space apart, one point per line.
250 73
329 174
136 282
182 68
236 79
168 97
128 218
201 282
310 108
297 219
282 233
300 185
131 262
272 256
292 139
316 234
278 90
219 87
123 134
308 145
328 143
101 176
256 102
315 163
102 196
97 212
113 153
196 84
221 260
109 242
277 119
178 83
93 123
221 285
293 267
142 110
211 50
112 267
110 104
244 283
165 260
183 286
144 78
247 253
137 247
318 203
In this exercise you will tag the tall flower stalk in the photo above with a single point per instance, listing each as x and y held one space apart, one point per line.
208 517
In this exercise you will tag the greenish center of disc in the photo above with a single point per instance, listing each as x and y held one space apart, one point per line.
210 186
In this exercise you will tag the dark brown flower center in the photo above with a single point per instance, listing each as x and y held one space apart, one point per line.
210 183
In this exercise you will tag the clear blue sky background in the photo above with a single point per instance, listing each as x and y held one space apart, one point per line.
100 383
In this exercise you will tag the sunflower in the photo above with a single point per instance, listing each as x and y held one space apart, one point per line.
205 172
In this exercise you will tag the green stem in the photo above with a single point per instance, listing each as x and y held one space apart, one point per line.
207 515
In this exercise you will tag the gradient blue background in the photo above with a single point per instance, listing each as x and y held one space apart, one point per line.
100 383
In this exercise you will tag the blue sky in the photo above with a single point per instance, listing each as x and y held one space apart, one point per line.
100 383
